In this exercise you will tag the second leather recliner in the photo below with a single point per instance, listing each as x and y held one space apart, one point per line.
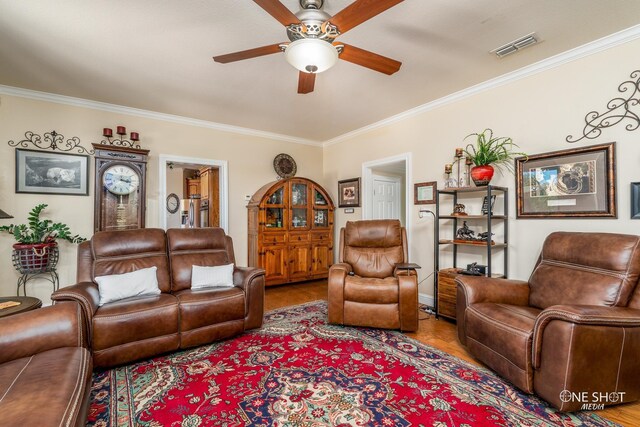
366 288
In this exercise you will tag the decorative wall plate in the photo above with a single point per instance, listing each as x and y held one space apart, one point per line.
285 166
173 202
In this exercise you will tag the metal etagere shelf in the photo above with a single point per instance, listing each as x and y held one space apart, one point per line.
452 196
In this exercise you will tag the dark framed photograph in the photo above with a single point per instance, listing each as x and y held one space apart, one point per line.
42 172
574 183
485 204
349 193
424 193
635 200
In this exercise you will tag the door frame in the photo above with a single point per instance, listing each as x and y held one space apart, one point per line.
223 185
366 191
396 180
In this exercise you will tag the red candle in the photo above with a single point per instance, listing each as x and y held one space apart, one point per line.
121 130
135 136
107 132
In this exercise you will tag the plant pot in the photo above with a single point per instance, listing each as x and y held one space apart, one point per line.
34 257
482 175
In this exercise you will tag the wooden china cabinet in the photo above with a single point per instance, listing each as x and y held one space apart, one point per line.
291 231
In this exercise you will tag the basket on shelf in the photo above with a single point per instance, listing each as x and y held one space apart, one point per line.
35 258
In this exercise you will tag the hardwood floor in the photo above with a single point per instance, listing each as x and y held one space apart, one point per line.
440 334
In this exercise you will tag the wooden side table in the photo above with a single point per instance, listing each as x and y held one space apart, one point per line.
26 304
447 292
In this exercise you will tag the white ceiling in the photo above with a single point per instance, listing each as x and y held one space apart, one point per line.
156 55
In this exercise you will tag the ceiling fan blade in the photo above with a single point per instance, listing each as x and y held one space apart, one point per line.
247 54
306 82
360 11
368 59
278 11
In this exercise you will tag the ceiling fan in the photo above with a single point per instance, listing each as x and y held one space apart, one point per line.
312 33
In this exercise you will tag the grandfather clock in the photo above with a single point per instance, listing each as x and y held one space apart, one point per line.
120 187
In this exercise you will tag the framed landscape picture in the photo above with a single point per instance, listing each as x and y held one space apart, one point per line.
42 172
575 183
349 193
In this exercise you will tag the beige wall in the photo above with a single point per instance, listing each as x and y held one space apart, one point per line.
175 184
538 112
249 160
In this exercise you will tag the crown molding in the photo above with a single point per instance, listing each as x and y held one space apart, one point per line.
121 109
571 55
585 50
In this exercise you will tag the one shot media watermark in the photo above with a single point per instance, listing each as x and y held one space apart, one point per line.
592 400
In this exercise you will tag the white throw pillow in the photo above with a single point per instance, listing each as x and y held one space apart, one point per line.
207 277
120 286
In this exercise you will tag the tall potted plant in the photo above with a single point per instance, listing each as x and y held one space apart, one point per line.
37 238
489 152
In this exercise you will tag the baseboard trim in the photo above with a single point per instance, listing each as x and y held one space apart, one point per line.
428 300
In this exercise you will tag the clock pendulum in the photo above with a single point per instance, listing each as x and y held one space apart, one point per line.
121 214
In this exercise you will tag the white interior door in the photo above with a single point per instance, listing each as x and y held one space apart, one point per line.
386 197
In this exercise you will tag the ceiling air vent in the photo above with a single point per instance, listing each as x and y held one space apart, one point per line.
516 45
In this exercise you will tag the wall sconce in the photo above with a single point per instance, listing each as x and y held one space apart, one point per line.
121 130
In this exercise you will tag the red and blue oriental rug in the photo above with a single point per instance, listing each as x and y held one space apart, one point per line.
298 371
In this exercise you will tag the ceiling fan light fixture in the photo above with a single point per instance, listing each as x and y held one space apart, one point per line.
311 55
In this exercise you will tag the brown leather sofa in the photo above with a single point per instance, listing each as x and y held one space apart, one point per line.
179 317
365 287
45 369
573 327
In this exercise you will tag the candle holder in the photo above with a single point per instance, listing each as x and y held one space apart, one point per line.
120 141
468 162
449 182
459 154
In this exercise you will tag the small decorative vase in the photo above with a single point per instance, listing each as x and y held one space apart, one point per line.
482 175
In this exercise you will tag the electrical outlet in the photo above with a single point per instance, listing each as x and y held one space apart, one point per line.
247 197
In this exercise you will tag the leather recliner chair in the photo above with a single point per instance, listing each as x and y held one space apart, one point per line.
573 327
366 288
45 368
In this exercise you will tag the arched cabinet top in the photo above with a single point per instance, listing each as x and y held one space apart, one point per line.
262 196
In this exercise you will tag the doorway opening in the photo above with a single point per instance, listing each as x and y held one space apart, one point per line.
187 177
385 189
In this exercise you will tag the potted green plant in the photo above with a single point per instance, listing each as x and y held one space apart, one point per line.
37 238
488 152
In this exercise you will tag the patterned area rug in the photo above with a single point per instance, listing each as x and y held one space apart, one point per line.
299 371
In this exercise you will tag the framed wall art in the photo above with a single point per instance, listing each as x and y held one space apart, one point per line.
349 193
575 183
424 193
635 200
42 172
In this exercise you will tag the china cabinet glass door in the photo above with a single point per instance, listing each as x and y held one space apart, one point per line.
275 209
299 205
320 210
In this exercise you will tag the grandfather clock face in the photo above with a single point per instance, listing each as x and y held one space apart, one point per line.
120 188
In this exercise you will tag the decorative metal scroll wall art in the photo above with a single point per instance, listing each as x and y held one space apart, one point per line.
619 111
51 141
